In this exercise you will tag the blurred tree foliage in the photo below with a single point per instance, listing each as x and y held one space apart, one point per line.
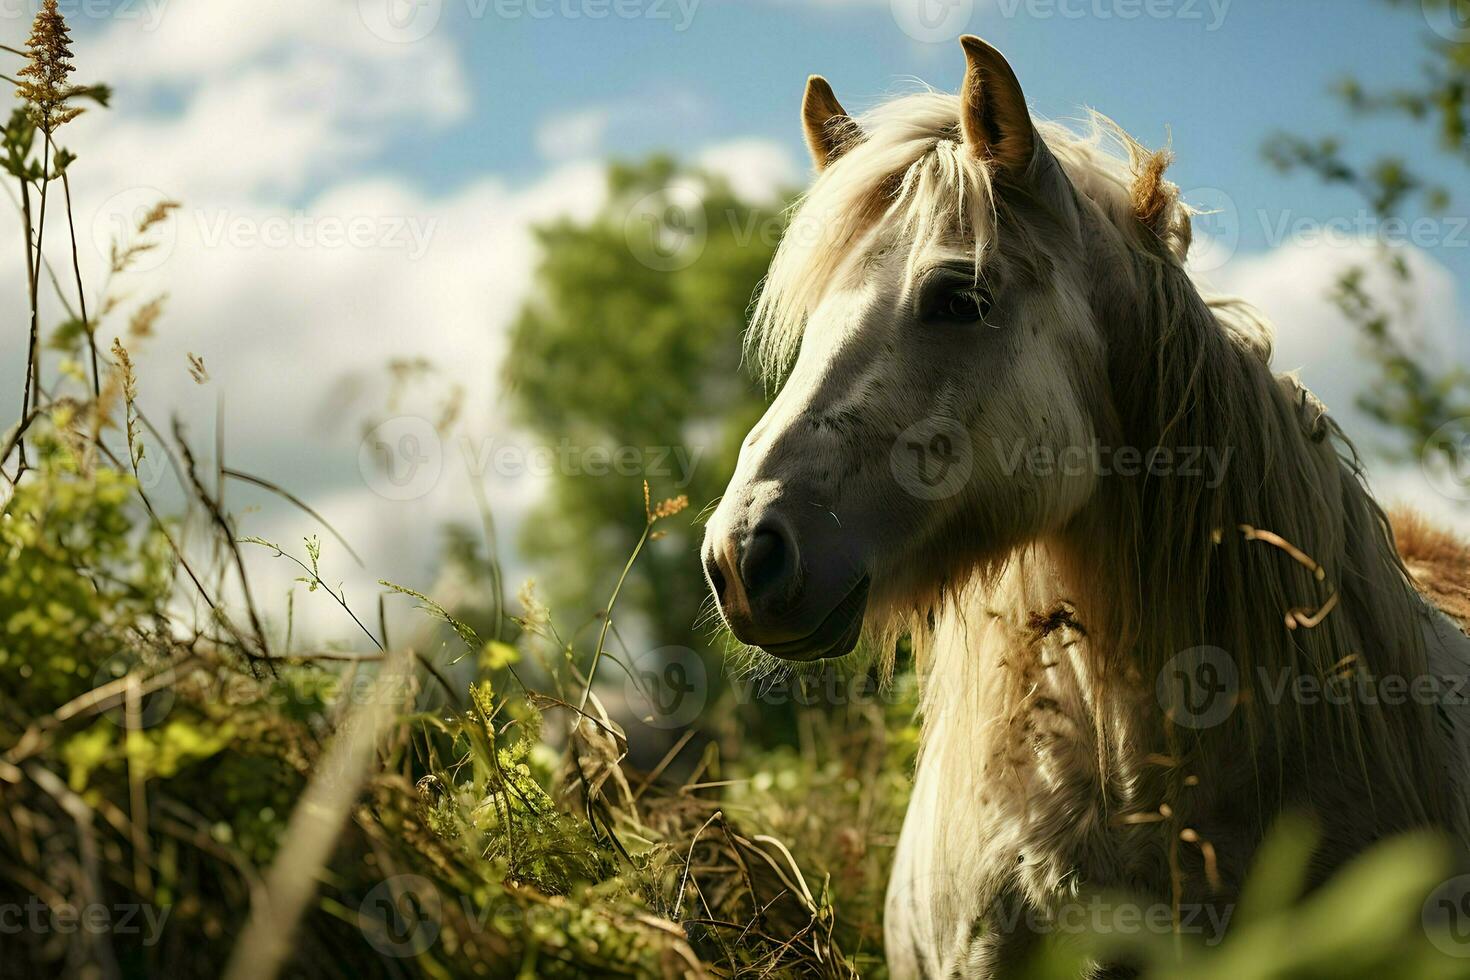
1426 404
631 345
57 626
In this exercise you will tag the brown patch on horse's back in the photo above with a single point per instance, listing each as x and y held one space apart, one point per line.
1437 560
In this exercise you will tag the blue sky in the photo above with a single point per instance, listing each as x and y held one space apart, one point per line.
740 65
446 129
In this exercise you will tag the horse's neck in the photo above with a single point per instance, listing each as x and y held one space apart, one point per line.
1023 702
1001 645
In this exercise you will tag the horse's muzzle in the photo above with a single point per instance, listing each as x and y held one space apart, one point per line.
773 597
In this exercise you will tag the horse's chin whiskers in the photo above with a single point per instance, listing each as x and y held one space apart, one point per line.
708 511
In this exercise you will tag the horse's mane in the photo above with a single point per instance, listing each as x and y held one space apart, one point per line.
1181 568
1189 564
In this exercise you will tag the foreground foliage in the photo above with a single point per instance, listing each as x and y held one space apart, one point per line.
498 830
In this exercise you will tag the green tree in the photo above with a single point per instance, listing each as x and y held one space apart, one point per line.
631 344
1414 394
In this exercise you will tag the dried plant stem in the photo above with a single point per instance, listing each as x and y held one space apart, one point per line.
35 270
137 792
295 501
227 534
76 268
16 439
607 614
316 824
31 345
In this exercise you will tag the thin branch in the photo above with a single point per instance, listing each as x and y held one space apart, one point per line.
76 266
223 524
291 498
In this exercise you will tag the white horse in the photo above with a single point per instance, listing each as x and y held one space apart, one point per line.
1154 604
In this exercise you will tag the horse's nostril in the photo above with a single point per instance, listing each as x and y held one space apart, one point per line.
716 577
768 565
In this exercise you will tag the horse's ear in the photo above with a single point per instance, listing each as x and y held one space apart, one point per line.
993 114
829 129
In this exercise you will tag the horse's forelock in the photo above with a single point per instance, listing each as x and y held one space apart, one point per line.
914 176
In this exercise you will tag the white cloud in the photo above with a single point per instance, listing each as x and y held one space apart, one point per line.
1291 284
297 304
581 131
283 308
257 100
235 111
573 134
281 320
165 41
757 169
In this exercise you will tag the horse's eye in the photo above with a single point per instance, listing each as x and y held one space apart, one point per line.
967 305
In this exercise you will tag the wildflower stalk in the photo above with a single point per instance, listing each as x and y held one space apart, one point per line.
607 616
35 356
76 268
651 516
42 83
31 345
